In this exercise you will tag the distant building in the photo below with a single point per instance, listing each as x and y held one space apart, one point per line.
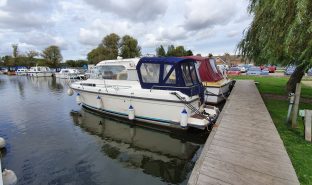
231 60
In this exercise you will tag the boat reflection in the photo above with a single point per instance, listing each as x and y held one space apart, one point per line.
156 153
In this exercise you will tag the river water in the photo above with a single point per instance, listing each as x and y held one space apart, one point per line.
49 143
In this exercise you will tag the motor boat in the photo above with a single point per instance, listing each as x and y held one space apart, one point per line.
162 91
217 85
40 71
21 72
68 73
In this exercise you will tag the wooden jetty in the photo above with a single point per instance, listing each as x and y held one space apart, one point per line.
244 147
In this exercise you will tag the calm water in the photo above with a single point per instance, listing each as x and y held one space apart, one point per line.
47 144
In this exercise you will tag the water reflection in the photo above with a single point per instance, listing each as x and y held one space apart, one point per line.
156 153
54 84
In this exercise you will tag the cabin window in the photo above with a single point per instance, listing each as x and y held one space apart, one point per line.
186 74
150 72
114 72
172 76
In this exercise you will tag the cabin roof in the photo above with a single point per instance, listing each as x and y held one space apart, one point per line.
167 60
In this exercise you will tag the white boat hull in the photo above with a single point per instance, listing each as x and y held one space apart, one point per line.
66 76
159 107
217 94
162 113
40 74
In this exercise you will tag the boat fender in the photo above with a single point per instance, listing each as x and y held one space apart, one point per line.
9 177
98 102
131 114
184 118
78 99
70 92
2 143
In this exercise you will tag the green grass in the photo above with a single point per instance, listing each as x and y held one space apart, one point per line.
275 85
299 150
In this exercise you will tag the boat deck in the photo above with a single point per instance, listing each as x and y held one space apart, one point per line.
244 147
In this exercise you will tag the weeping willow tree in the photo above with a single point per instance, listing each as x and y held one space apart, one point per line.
280 33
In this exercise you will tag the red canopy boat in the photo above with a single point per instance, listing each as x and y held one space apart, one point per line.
208 70
217 86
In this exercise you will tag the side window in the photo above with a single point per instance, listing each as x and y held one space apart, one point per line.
150 72
193 73
186 74
172 77
114 72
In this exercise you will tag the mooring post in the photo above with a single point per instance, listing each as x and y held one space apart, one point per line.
307 125
296 106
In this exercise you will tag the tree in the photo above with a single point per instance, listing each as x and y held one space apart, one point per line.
178 51
111 45
189 53
15 50
109 48
160 51
170 51
280 33
129 47
98 54
52 55
75 63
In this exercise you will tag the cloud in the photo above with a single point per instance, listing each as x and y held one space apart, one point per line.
25 14
79 26
20 22
3 3
201 14
89 37
43 40
99 28
233 33
135 10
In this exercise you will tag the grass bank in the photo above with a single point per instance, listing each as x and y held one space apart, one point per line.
299 151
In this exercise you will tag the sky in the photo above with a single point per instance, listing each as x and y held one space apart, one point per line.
78 26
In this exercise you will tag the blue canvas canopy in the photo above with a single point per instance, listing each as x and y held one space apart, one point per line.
169 73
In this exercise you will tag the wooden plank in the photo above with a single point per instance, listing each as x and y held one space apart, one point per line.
267 148
307 124
235 174
254 139
205 179
269 135
252 162
280 156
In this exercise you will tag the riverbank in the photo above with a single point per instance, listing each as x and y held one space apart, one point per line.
297 148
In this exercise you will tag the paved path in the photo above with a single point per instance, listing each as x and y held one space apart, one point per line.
244 147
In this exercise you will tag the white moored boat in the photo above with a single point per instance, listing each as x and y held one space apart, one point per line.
21 72
40 71
162 91
68 73
217 86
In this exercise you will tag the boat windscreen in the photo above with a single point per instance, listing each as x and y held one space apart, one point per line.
169 70
189 74
150 72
